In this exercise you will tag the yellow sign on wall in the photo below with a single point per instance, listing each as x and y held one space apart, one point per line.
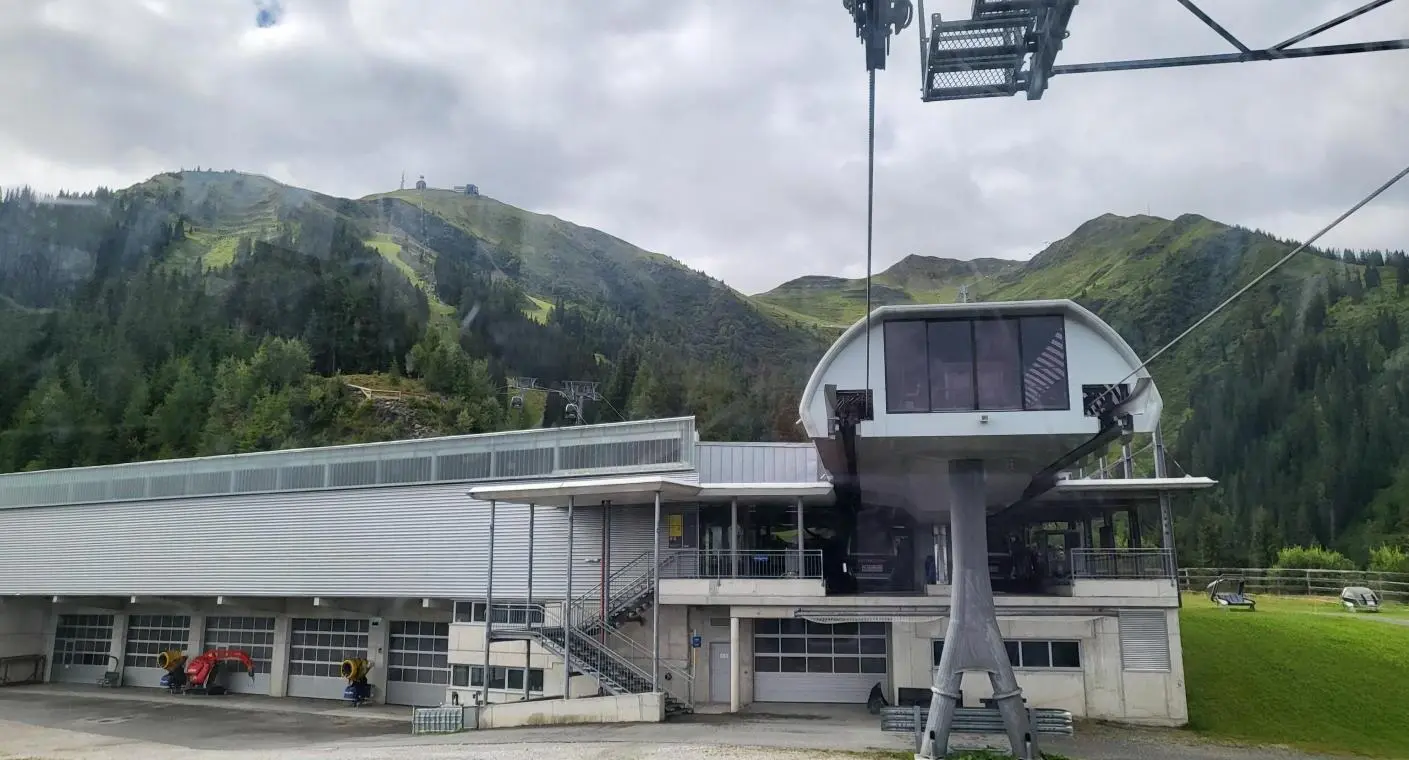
675 530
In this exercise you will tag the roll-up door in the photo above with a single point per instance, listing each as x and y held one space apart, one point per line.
82 644
418 667
252 635
317 647
148 635
801 661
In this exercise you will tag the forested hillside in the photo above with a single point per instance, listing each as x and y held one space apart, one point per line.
1294 398
208 312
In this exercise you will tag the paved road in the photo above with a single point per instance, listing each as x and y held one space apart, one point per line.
37 723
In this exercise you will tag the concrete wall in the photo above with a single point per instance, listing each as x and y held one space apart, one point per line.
629 708
1099 689
21 629
703 591
1159 589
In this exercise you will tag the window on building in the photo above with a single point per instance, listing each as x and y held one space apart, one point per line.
951 358
511 679
956 365
505 613
907 376
1030 654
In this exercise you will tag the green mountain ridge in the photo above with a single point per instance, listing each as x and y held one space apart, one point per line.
205 312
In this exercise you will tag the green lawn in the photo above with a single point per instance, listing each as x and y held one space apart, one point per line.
1298 672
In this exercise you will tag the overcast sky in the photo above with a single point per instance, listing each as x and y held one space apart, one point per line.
729 134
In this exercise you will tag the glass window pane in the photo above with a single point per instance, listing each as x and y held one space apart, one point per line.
1012 647
1036 655
535 679
765 664
1044 363
846 665
907 373
794 664
1066 654
819 664
937 650
996 356
873 664
951 365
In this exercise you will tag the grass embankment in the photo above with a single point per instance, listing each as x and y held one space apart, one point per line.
1300 672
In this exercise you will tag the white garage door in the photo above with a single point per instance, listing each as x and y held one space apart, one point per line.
252 635
799 661
82 644
317 647
148 635
418 667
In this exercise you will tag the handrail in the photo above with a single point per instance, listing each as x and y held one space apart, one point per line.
641 651
1120 563
742 563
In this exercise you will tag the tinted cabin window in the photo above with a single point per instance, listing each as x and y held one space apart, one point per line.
957 365
998 359
907 376
1044 363
951 357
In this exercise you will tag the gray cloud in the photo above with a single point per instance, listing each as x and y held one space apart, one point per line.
730 134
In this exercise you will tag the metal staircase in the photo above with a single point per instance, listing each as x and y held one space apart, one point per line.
620 664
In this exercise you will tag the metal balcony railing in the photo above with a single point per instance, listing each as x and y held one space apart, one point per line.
747 564
1122 563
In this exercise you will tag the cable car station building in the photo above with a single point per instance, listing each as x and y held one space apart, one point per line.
631 559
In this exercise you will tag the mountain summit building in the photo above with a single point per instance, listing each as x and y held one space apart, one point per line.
633 558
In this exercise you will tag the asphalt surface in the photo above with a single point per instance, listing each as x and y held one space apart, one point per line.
191 726
44 722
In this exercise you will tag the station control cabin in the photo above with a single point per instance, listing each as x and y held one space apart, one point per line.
631 557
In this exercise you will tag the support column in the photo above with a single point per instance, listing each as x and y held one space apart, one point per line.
973 641
195 635
1132 519
801 541
377 644
279 668
1166 518
945 571
655 599
567 614
934 554
488 607
117 645
528 613
734 537
736 695
1127 462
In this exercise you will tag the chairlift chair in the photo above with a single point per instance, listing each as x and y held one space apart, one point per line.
1360 599
570 414
516 402
1230 593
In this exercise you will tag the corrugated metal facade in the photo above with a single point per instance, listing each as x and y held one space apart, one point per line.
410 541
627 447
757 463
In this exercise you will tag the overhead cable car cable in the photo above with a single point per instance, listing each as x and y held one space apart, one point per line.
1181 336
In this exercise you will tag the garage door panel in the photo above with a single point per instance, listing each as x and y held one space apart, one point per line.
418 667
317 647
82 644
148 636
252 634
801 661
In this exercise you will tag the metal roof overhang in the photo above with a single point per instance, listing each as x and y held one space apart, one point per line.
639 489
1121 489
764 493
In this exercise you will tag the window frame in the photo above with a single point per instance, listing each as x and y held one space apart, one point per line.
972 323
472 677
937 650
472 611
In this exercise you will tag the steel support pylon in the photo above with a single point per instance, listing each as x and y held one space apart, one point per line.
973 641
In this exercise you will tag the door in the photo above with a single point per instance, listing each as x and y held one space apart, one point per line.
148 636
252 635
82 644
801 661
720 667
418 667
317 647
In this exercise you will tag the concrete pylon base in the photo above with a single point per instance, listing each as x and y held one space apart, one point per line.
973 642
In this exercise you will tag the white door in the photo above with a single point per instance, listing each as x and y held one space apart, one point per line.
800 661
147 636
250 634
719 669
317 647
82 644
418 667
